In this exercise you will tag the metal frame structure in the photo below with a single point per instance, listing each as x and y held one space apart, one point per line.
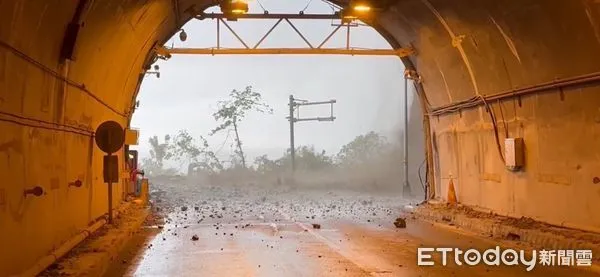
310 49
296 103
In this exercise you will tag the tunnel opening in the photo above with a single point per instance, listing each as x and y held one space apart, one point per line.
320 172
232 75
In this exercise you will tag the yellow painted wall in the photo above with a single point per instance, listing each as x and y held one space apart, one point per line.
468 49
110 51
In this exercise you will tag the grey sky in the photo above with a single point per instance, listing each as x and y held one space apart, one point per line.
369 90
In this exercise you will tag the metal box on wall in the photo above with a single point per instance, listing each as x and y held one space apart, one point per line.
131 136
514 153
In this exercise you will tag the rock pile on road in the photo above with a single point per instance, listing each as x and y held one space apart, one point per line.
246 205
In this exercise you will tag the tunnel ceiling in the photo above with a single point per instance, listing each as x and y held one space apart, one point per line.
464 48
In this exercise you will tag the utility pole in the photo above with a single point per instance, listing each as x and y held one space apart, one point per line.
292 146
293 103
406 188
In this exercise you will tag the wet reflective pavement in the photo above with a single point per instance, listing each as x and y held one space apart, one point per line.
217 232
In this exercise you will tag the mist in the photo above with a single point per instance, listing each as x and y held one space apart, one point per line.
369 93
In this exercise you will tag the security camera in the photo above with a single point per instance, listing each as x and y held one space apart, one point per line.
182 35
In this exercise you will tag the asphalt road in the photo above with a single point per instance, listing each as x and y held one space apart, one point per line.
254 232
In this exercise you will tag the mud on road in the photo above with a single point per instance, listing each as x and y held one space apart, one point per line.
188 204
251 230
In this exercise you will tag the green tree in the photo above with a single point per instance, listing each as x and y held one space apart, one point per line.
362 149
265 166
185 148
159 152
196 154
306 159
231 112
209 160
310 160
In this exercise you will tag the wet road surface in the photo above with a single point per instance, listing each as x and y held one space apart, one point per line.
216 232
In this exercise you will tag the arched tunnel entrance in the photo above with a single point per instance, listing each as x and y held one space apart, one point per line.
364 98
489 71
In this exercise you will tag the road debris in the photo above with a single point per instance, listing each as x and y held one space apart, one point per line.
400 222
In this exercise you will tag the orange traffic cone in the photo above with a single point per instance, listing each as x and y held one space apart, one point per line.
452 193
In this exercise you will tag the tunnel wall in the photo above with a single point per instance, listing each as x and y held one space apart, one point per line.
417 168
48 108
495 46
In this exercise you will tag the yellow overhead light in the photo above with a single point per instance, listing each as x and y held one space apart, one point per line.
357 9
238 11
362 8
360 5
235 7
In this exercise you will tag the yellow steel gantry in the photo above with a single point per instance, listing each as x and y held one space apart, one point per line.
311 49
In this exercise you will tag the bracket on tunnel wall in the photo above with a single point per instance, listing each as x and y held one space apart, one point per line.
67 50
413 75
35 191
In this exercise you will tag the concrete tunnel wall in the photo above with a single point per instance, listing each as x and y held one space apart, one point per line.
111 49
464 48
470 48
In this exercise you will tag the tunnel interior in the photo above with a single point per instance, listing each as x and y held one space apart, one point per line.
533 65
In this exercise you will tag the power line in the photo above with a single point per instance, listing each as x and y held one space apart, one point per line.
307 4
261 6
39 121
58 76
46 127
332 6
223 144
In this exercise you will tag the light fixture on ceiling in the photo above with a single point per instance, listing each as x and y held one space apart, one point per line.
360 5
234 7
357 9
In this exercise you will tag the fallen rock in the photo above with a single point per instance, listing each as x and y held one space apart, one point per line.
400 223
184 208
195 237
316 226
513 236
408 208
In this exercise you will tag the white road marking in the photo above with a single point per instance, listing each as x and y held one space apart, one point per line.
336 248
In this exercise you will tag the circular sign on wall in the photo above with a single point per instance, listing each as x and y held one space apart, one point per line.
110 136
